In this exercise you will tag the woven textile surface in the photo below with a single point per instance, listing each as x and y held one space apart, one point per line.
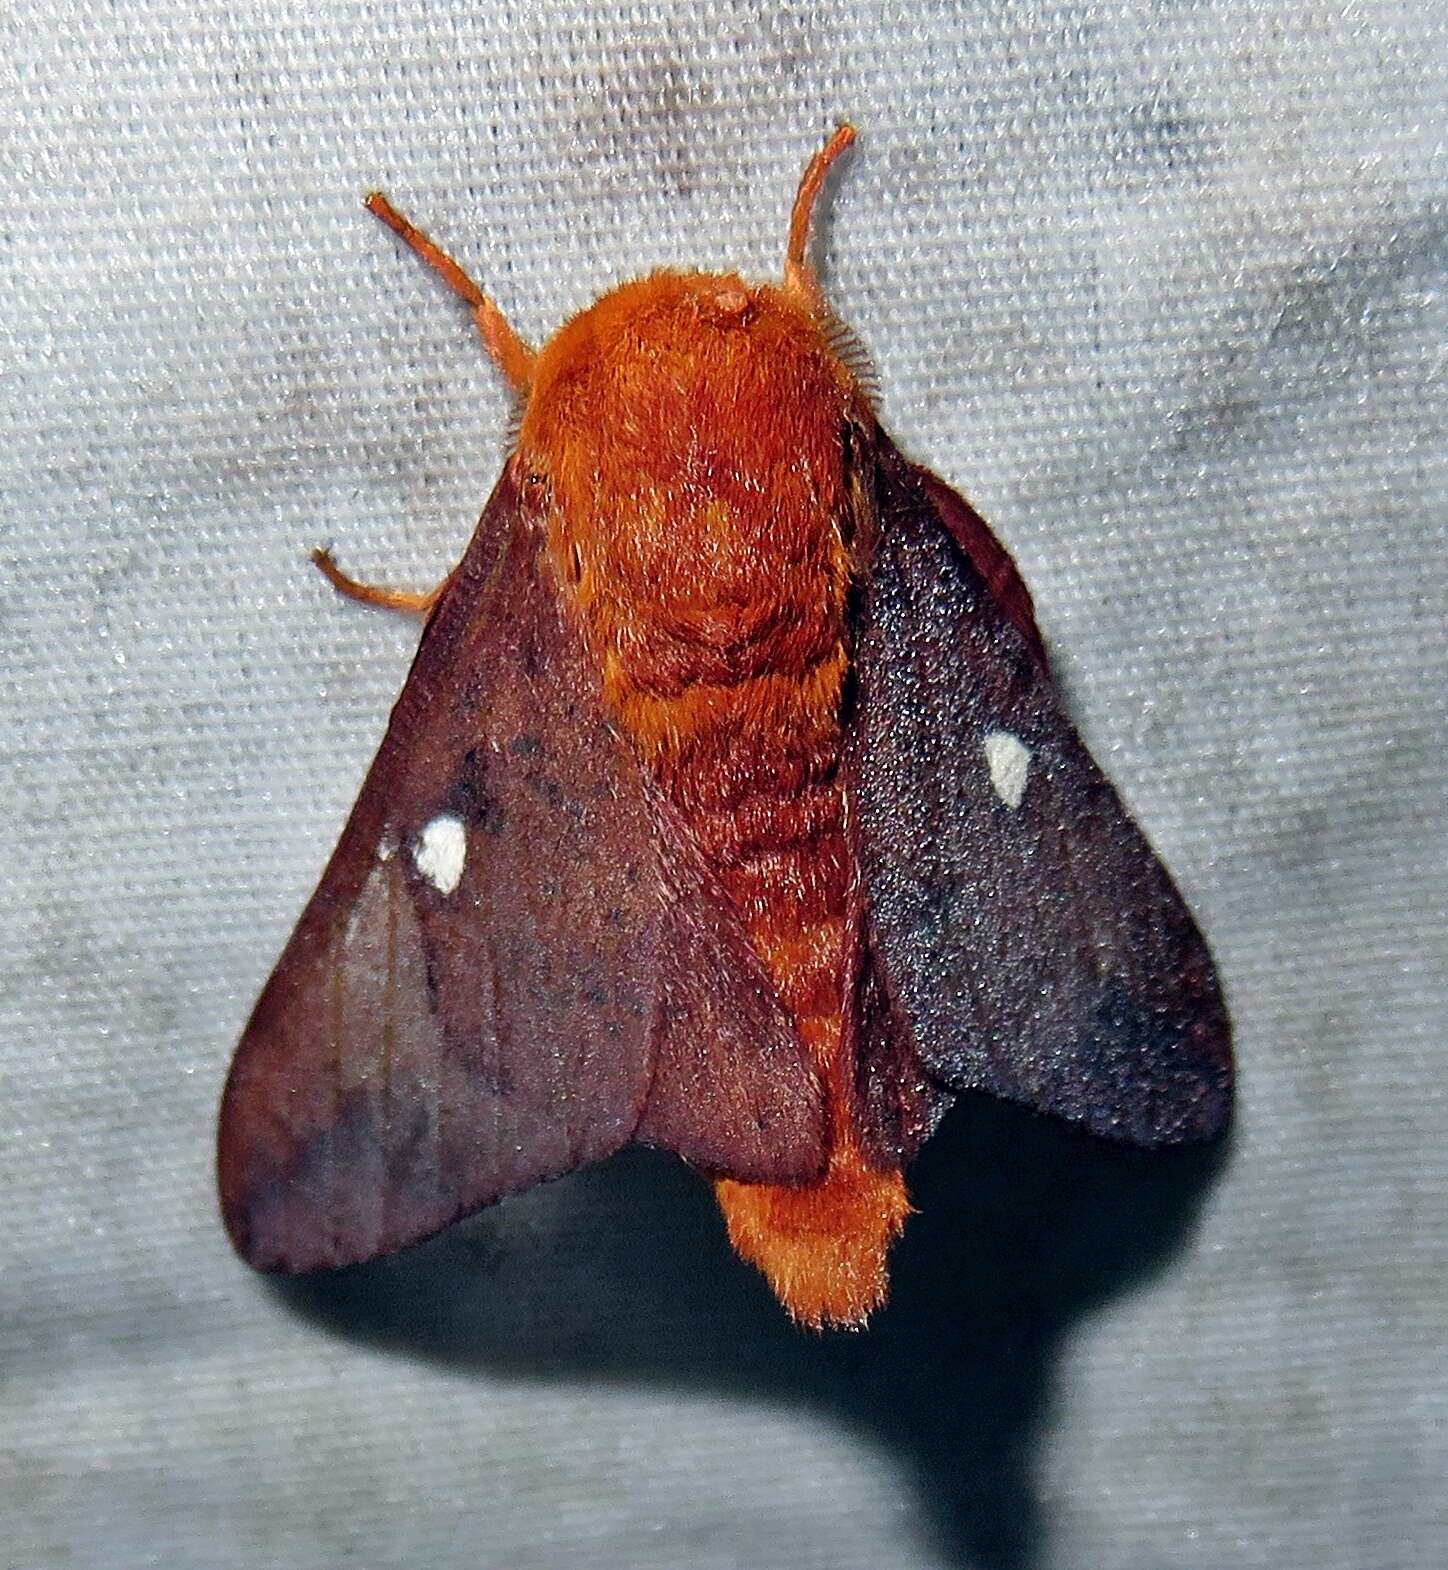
1162 288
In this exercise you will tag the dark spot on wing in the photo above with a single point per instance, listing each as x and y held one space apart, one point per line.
471 797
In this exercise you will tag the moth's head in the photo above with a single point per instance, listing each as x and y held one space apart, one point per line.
679 362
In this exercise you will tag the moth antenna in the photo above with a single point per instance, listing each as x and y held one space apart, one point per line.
799 275
507 350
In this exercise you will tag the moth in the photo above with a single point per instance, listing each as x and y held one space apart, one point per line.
729 807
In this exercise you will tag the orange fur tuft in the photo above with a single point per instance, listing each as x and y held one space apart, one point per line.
823 1248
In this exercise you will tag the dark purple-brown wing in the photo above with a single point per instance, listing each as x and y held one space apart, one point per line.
991 560
1027 933
510 967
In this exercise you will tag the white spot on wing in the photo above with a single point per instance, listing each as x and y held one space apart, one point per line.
1009 760
441 851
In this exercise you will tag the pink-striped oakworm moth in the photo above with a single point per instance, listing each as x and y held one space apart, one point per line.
729 807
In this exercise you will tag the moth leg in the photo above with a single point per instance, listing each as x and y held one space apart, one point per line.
506 349
800 279
412 601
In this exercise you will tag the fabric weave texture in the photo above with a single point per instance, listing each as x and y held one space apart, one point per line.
1161 287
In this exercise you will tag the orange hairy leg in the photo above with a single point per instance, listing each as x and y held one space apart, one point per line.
711 576
414 601
799 276
508 352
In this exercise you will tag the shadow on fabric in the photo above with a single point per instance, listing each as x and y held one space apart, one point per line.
622 1273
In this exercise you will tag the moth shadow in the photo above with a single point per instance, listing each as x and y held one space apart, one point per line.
621 1274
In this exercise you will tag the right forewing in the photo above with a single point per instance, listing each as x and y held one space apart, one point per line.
1032 939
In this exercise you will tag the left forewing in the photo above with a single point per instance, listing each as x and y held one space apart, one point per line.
506 970
466 1005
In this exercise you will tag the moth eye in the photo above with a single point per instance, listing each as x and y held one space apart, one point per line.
533 495
532 487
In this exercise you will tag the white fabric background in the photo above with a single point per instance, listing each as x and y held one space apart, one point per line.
1161 286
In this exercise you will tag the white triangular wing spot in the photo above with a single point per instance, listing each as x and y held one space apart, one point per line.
440 852
1009 760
